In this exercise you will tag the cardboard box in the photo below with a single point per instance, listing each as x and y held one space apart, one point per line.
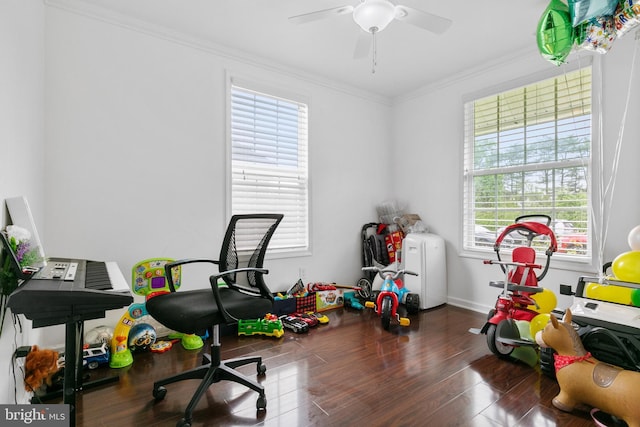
407 221
327 300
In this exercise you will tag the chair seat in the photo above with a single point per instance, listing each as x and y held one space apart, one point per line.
194 311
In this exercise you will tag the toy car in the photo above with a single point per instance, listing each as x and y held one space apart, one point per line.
94 355
307 318
322 318
296 324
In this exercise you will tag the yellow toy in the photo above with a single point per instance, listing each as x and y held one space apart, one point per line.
585 380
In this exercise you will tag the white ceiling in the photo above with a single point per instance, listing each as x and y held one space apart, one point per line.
483 32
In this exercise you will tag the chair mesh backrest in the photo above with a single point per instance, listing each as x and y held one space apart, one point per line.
245 245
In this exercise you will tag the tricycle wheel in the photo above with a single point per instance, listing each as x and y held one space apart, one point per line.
413 303
365 289
547 362
385 313
499 349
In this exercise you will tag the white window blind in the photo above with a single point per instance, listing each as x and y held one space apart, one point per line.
527 151
269 162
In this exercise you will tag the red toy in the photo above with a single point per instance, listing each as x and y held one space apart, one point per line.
390 296
520 284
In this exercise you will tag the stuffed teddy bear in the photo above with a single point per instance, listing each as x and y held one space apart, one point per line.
40 366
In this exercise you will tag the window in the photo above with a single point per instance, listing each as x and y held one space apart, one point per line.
268 158
527 151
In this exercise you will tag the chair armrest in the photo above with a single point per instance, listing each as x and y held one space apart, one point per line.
171 265
213 280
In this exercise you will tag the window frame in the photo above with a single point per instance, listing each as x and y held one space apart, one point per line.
274 91
562 261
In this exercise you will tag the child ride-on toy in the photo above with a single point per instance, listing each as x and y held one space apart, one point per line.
389 297
606 316
516 302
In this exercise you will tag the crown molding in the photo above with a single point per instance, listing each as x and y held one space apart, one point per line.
94 12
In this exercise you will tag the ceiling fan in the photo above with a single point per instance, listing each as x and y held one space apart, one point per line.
373 16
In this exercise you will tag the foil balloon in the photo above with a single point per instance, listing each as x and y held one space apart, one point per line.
626 267
584 10
596 34
626 16
555 33
634 238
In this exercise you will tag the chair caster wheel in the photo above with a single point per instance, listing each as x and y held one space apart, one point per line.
262 368
261 404
159 393
183 423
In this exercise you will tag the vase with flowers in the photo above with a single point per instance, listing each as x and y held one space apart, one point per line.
19 240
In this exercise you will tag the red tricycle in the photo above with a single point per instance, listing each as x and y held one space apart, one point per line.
390 296
517 301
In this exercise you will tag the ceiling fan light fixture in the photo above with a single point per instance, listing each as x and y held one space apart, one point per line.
374 15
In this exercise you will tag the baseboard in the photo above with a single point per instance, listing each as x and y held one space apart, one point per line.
469 305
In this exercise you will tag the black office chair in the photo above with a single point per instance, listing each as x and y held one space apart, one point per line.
203 310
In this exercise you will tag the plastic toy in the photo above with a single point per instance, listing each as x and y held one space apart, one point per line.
141 336
307 318
161 346
94 355
148 279
517 302
585 380
350 300
294 323
322 318
606 315
270 326
390 295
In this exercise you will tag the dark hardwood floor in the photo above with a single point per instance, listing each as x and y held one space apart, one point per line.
349 372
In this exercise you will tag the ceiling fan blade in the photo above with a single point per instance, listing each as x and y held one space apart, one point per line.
320 14
363 45
428 21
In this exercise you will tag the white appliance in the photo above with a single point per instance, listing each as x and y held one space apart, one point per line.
424 253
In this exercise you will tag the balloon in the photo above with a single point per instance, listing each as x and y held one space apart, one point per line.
583 10
626 267
539 322
626 16
634 238
524 327
635 297
610 293
596 34
546 301
555 33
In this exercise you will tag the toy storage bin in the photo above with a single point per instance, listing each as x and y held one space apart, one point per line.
306 303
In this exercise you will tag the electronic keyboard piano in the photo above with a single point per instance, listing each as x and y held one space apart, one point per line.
95 288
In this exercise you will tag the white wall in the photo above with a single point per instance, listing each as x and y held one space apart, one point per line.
428 139
21 140
136 152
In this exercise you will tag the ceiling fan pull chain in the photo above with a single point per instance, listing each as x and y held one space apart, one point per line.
374 59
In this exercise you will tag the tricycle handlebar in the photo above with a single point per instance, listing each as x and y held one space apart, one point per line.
511 263
383 272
